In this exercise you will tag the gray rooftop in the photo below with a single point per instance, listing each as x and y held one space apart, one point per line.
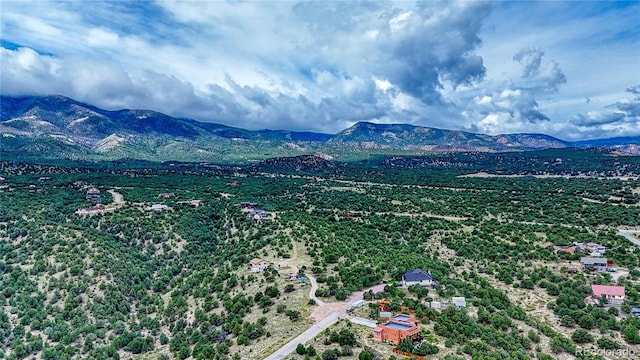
591 261
417 275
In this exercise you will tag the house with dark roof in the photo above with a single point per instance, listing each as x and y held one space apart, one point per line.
248 205
417 277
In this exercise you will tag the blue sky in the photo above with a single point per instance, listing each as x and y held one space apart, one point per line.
569 69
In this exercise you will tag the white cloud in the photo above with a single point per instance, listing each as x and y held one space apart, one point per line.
494 67
102 37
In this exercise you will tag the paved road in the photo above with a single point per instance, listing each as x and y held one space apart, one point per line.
362 321
305 336
627 235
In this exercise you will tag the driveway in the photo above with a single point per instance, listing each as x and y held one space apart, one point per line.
312 292
362 321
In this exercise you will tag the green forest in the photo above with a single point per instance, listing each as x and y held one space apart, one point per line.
126 281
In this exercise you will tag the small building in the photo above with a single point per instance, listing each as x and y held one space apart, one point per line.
92 210
613 294
258 265
435 305
385 315
635 311
44 178
166 195
396 329
459 302
248 205
93 191
158 207
417 277
594 264
598 250
192 203
572 269
233 183
257 214
94 198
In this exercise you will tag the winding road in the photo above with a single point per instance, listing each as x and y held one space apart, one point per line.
627 235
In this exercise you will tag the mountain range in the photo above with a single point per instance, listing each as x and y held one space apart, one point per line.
57 126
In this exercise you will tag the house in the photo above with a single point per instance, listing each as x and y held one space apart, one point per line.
572 269
613 294
44 178
592 248
233 183
459 302
257 214
417 277
396 329
258 265
158 207
93 191
247 205
598 250
193 203
94 198
435 305
92 210
166 195
594 264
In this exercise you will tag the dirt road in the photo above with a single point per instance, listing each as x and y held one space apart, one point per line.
627 235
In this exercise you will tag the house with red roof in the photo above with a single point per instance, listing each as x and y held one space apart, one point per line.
396 329
613 294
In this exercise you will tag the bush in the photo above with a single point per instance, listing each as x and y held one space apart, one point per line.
581 336
331 354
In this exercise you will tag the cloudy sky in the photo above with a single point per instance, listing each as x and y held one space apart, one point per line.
569 69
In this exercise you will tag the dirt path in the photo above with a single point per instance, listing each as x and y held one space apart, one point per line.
118 199
312 292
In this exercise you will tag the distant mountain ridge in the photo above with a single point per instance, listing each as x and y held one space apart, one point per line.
50 123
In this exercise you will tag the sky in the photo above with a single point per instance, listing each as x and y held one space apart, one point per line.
570 69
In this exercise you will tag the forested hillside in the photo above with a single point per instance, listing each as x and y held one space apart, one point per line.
122 280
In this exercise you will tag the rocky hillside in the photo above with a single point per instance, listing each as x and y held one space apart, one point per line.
56 126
